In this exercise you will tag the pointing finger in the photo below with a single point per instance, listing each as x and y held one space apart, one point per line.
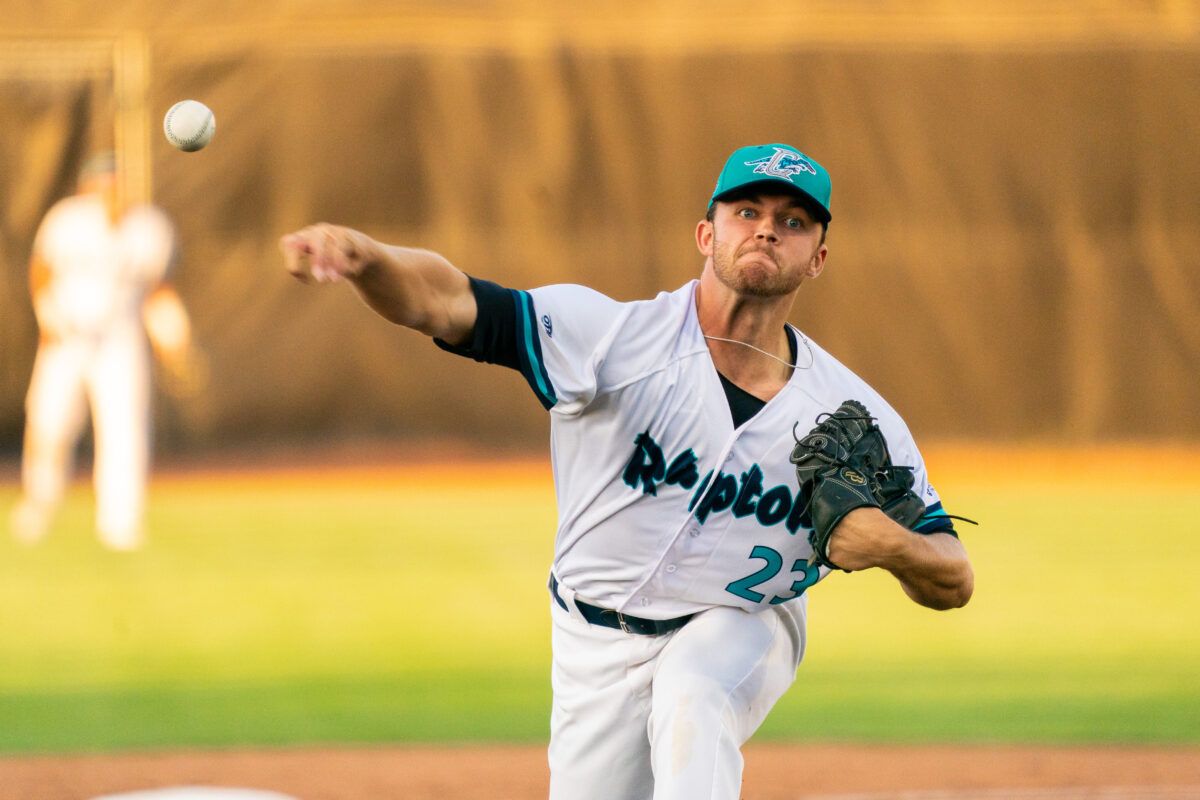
296 258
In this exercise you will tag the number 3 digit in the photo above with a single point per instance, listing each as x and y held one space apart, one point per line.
811 573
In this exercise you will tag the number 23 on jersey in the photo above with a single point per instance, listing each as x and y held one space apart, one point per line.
744 587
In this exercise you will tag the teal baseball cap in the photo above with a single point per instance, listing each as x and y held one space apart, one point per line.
775 166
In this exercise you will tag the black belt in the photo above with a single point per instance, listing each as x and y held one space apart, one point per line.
615 619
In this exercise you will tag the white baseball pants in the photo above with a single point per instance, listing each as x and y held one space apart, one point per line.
112 375
664 717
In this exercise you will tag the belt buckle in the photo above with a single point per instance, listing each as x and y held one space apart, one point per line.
624 625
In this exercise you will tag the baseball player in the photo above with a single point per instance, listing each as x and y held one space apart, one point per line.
682 558
97 279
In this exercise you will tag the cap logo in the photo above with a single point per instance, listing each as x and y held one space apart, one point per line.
782 164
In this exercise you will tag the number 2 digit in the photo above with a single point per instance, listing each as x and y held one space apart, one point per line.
744 587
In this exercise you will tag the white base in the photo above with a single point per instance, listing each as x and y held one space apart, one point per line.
197 793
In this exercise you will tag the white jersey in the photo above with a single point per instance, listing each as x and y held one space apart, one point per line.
93 356
99 272
664 507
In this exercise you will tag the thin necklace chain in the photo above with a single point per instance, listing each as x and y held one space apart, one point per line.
811 358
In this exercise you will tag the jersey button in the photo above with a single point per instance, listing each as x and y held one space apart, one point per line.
693 532
645 601
671 567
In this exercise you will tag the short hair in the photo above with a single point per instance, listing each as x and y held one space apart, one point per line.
752 192
102 163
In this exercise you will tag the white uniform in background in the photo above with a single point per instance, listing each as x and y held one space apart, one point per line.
667 510
93 353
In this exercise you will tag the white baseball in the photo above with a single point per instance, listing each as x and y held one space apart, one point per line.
189 125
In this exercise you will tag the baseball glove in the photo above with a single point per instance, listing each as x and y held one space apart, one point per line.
843 464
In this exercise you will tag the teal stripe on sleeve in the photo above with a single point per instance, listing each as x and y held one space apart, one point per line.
530 351
935 521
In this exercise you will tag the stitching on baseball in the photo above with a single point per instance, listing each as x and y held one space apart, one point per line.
203 129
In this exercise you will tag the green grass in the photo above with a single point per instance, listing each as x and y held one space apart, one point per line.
1085 627
317 611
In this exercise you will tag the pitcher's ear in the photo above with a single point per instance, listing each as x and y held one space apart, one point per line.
817 265
704 237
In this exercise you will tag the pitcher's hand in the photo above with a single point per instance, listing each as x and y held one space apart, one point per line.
328 253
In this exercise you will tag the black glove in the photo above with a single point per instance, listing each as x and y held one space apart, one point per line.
843 464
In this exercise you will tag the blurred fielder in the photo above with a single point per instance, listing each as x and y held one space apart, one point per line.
691 521
97 278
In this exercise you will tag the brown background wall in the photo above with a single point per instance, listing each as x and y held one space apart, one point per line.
1014 245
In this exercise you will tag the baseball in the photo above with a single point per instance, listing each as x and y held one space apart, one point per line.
189 125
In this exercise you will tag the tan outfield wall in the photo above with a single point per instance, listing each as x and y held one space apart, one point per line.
1014 251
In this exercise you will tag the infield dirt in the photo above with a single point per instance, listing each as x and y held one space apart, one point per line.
773 772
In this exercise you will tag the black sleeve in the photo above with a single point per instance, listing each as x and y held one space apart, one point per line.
494 339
